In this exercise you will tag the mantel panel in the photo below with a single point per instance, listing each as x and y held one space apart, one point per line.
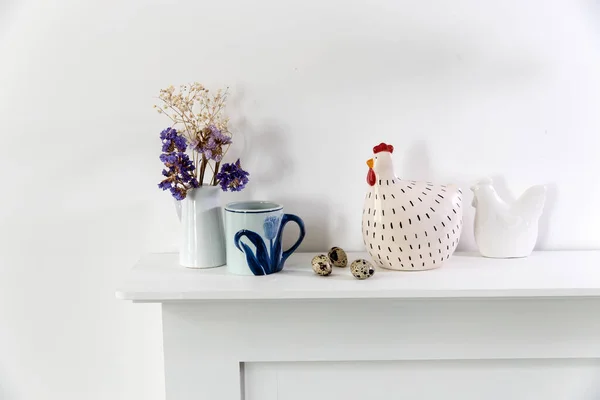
548 379
209 345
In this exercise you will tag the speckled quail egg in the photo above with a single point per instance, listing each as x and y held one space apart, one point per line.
321 265
338 257
362 269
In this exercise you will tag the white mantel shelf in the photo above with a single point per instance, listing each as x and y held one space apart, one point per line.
159 278
469 327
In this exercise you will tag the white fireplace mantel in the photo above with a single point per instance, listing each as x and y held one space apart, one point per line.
474 329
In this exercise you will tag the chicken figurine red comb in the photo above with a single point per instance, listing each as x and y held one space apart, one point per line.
408 225
383 147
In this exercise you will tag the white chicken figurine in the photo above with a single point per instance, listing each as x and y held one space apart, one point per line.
502 229
408 225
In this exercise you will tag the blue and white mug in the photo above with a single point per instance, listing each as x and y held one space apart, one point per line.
253 231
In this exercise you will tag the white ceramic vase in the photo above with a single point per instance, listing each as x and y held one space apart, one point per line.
202 243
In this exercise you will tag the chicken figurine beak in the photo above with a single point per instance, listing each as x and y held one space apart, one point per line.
370 163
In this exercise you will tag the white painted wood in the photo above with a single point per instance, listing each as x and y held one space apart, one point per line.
158 278
198 363
206 342
531 323
552 379
350 330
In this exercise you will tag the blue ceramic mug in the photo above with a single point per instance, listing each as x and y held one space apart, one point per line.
253 231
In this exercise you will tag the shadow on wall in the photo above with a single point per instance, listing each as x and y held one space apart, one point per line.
320 220
549 208
417 165
265 149
265 152
264 146
317 217
271 161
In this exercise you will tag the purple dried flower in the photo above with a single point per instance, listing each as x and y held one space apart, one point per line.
232 177
178 175
172 141
164 185
168 158
178 193
211 143
215 146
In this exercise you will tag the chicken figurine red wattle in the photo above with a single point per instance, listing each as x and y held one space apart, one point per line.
408 225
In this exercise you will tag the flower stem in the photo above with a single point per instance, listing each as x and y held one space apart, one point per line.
183 119
202 170
215 172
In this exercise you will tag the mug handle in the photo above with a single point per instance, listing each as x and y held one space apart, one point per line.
293 218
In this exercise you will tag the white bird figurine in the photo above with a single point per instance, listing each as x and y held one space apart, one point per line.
506 229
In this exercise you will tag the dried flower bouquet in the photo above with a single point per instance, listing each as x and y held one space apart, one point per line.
199 128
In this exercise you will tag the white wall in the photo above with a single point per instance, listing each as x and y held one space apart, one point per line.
462 89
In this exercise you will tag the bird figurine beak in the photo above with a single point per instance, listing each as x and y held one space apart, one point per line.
370 163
